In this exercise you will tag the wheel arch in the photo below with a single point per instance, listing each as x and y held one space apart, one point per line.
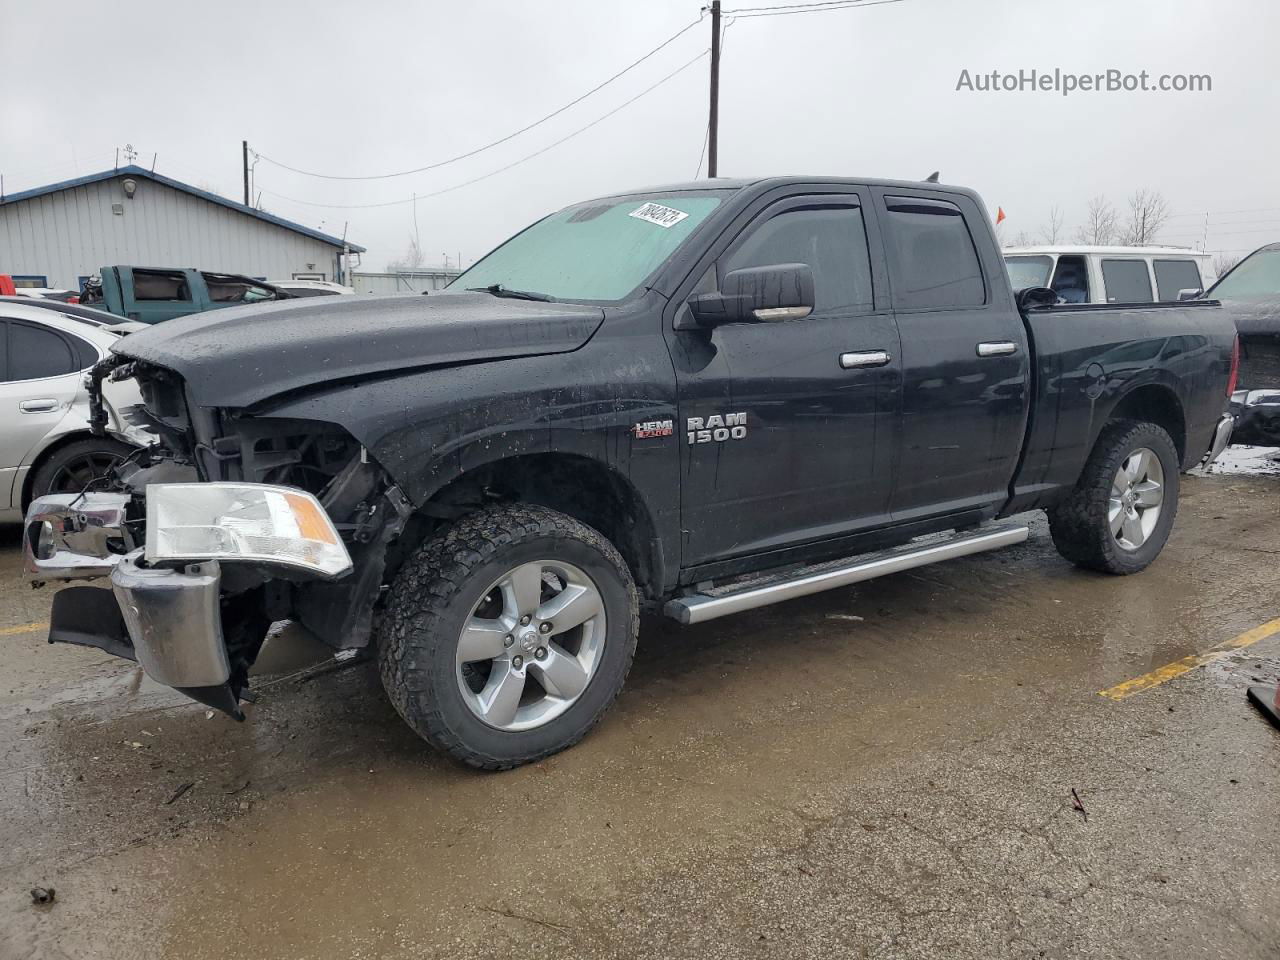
579 486
41 458
1153 403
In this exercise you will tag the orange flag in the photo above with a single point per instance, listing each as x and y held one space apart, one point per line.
999 215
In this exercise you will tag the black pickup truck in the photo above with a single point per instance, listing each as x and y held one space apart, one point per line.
693 400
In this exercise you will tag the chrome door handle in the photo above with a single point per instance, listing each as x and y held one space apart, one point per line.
997 348
38 406
864 358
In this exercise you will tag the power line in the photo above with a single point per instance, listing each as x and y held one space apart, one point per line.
510 136
745 13
515 163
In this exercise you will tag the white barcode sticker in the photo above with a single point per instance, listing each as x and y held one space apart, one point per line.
657 213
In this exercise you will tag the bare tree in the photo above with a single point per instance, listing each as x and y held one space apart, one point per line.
1022 239
1224 262
1148 213
1052 232
412 259
1099 227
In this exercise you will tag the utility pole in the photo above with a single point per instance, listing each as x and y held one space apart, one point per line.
714 117
244 153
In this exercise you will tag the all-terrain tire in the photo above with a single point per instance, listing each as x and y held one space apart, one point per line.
435 592
1079 524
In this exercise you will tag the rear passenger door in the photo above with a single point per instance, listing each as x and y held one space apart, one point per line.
965 363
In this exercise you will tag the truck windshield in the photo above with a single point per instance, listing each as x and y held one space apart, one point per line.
1028 271
601 250
1257 275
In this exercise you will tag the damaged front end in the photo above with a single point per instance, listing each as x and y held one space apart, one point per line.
228 524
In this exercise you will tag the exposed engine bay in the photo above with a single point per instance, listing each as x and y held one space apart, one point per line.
237 598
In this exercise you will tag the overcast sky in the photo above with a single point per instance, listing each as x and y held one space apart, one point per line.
381 86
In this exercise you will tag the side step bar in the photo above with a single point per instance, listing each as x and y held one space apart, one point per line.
723 601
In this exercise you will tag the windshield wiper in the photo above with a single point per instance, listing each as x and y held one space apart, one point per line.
498 290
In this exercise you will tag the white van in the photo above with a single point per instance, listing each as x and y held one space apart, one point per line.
1111 274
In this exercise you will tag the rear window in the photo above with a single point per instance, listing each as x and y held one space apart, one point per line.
1028 271
35 353
937 263
1175 275
160 285
224 288
1127 281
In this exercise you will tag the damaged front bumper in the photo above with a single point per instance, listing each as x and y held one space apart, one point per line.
1257 417
167 616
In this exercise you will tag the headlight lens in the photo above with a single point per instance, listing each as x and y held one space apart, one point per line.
242 521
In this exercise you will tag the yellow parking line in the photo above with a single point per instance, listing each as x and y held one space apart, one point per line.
24 628
1186 664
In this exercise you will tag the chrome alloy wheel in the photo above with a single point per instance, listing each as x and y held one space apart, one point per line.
1137 496
531 645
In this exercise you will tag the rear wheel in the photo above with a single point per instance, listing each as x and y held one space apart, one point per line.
79 466
1120 514
505 639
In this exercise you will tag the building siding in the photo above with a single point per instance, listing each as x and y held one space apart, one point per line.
73 233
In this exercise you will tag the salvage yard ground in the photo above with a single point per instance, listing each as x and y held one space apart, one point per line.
885 771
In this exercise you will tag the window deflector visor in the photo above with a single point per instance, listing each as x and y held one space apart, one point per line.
243 521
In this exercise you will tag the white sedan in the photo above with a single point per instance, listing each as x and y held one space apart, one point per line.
45 442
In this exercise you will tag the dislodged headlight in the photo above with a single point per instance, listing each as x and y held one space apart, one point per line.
242 521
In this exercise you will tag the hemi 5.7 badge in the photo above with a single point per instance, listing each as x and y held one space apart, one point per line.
653 428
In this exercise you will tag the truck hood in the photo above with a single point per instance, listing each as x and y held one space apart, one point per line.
240 356
1254 316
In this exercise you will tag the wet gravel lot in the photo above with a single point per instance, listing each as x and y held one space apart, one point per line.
880 771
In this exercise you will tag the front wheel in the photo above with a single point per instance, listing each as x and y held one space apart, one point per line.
1121 511
505 639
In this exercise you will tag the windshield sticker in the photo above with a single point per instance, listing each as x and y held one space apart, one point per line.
656 213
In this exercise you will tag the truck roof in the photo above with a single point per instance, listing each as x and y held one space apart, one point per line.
764 183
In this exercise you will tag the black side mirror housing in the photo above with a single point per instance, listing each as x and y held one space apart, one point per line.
771 294
1030 298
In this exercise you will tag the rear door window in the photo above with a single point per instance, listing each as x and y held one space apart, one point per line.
160 285
229 289
936 265
1175 275
830 239
36 352
1127 281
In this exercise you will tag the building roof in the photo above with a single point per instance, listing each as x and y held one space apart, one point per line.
145 174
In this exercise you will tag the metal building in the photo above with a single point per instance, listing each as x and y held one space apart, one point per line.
404 281
59 235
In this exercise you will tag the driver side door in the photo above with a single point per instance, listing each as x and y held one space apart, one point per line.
786 429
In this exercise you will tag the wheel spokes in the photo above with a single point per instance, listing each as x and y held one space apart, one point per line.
500 698
481 640
1115 514
522 591
560 673
572 607
1132 528
1149 493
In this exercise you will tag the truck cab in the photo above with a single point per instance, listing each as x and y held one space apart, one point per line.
153 294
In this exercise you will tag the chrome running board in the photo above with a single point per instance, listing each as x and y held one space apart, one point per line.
735 598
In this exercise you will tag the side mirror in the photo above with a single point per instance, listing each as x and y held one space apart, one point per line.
782 291
1190 293
1031 298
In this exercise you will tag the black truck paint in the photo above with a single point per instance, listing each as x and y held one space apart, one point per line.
700 452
